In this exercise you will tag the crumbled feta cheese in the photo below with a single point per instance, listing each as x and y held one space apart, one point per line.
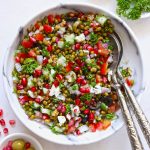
60 44
18 67
97 89
83 128
109 75
45 90
61 61
101 19
15 79
61 120
31 94
54 91
80 38
36 32
110 59
61 97
40 59
62 30
107 90
70 38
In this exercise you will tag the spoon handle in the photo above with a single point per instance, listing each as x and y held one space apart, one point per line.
141 118
132 132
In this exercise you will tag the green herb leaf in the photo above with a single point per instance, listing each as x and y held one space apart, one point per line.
93 38
45 52
86 97
75 87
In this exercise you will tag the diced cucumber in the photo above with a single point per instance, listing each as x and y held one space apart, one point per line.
57 129
35 105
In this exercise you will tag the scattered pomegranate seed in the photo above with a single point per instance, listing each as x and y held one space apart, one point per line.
91 117
47 28
78 132
83 82
49 48
90 48
77 68
79 80
59 77
71 123
77 46
33 89
12 122
45 61
77 102
27 145
45 116
32 39
86 111
46 85
63 109
2 122
50 19
1 112
56 83
10 143
38 100
37 73
5 130
24 81
20 87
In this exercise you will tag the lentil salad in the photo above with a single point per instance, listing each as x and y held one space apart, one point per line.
61 74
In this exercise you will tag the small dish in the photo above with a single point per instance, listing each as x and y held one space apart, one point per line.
23 136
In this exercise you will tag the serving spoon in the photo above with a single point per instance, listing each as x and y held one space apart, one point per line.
131 128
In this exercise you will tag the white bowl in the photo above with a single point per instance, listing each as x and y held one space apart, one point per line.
23 136
131 54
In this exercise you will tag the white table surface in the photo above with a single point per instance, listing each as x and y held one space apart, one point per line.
14 13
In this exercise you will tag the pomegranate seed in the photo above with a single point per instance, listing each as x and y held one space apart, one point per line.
46 85
32 39
86 32
5 130
27 43
24 81
82 89
59 77
104 79
91 117
71 123
23 99
2 122
38 100
45 61
58 17
37 73
56 83
78 132
79 80
87 90
83 82
27 145
77 46
1 112
50 19
33 89
17 59
49 48
86 111
47 28
85 46
8 148
77 102
12 122
90 48
20 87
77 68
10 143
59 108
45 116
63 109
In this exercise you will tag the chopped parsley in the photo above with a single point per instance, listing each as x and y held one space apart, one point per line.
86 97
45 52
93 38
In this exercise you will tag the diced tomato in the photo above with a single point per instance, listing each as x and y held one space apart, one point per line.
45 61
104 69
56 83
69 66
27 43
17 59
37 26
112 108
58 17
32 53
24 81
103 52
92 127
71 129
99 125
50 19
130 82
22 55
47 28
49 48
98 78
106 124
19 87
84 90
59 77
39 37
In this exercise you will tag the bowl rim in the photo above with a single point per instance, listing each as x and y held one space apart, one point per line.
71 4
22 135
